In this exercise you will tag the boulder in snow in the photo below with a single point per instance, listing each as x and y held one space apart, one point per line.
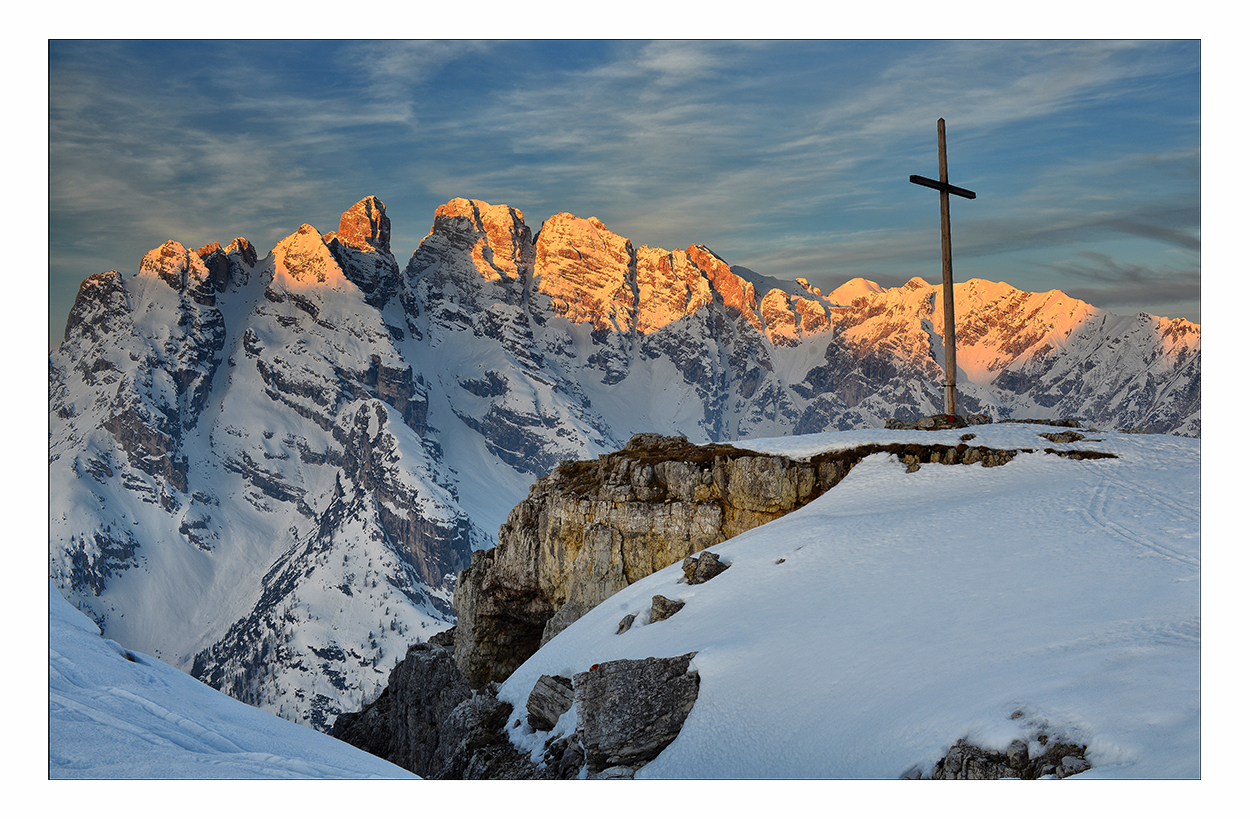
662 608
702 568
628 711
550 698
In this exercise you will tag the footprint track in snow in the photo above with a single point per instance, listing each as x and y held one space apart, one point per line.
1096 513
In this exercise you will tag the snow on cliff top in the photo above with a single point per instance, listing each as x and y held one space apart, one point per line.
863 635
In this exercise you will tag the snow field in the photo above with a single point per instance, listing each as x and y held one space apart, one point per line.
117 714
914 610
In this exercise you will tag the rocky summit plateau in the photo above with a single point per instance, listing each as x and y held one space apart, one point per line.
269 470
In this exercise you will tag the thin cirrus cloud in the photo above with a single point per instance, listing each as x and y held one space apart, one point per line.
1117 284
790 158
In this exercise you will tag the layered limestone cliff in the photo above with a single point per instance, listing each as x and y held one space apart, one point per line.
591 528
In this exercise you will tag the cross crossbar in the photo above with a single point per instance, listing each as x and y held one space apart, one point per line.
943 186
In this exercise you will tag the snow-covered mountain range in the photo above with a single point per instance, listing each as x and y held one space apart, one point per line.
268 470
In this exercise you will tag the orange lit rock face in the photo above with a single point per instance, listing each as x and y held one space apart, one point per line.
813 316
588 271
788 318
173 264
736 291
995 323
669 287
304 258
502 249
595 276
592 275
1179 332
240 246
362 248
366 226
244 249
780 322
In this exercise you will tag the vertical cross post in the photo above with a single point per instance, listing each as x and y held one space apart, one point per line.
945 189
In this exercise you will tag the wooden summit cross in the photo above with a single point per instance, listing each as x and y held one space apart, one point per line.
948 286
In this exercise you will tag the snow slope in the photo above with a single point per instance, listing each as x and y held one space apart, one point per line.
863 635
115 714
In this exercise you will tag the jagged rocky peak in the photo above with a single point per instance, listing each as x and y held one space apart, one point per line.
304 258
786 313
587 274
365 226
225 267
98 308
173 264
737 292
588 271
362 248
476 258
240 256
244 250
501 241
218 265
787 319
670 286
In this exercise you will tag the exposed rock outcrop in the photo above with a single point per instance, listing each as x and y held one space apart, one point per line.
1062 437
1057 760
101 309
551 697
405 723
591 528
938 422
628 711
429 721
663 608
474 745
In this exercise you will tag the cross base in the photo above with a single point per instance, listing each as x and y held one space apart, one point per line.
941 421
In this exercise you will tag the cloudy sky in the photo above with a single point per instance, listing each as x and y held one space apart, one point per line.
790 158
